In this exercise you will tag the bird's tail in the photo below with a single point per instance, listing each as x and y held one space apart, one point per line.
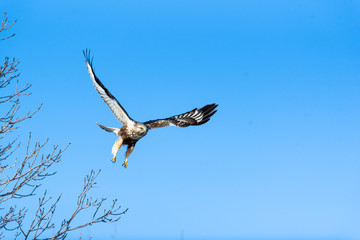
108 129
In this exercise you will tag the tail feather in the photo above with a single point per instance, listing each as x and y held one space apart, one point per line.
108 129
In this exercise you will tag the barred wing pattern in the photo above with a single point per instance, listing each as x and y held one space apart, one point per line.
193 117
108 98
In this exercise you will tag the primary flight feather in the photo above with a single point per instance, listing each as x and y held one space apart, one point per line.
132 131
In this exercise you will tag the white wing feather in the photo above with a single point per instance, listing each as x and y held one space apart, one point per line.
108 98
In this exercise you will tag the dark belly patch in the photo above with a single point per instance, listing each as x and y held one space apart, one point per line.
129 141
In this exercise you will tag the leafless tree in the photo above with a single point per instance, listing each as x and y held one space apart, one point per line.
23 178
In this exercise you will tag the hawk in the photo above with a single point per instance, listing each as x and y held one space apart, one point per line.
132 131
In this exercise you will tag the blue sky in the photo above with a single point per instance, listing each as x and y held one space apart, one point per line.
281 157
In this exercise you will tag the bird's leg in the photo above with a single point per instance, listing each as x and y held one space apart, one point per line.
116 148
128 152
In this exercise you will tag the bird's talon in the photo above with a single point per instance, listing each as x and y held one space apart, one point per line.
125 164
113 159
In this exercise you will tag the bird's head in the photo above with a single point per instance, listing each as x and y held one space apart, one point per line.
142 128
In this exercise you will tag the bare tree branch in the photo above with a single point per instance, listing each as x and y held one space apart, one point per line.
29 173
109 215
5 25
42 220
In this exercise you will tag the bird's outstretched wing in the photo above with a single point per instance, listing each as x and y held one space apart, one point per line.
108 98
193 117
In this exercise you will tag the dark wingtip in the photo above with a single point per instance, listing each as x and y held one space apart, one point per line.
208 111
208 108
87 54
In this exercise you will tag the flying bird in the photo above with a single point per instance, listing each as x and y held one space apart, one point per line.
132 131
